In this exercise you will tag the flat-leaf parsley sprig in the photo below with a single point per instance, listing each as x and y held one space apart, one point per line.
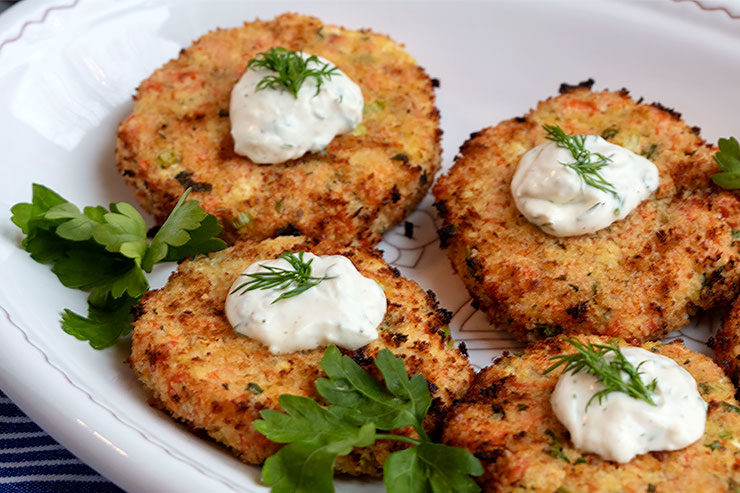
106 252
592 358
299 277
728 159
291 70
360 407
587 168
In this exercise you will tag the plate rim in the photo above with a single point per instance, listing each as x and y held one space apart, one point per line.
104 457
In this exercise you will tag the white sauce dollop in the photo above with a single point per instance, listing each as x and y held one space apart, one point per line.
345 310
271 126
622 427
555 198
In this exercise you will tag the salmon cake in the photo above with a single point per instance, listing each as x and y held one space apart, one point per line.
507 421
639 278
361 184
196 367
726 344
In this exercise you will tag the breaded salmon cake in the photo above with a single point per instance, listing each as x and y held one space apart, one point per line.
726 344
197 368
178 136
641 277
506 420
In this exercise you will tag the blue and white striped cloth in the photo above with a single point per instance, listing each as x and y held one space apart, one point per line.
31 461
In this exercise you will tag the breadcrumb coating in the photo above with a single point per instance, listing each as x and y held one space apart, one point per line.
201 371
178 136
726 344
638 279
506 420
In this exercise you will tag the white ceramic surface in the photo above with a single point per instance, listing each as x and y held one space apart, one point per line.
69 67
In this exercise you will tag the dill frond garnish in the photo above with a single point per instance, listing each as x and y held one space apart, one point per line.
587 168
591 358
298 278
291 70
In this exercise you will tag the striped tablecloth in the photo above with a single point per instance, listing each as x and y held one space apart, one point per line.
32 461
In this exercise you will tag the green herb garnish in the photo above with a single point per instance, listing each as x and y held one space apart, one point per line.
591 358
242 219
360 407
298 278
585 166
730 408
556 446
650 151
705 388
291 69
609 133
167 158
359 130
714 445
254 388
728 159
106 252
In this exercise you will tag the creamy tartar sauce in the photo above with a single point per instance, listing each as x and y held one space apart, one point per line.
622 427
271 126
344 310
555 198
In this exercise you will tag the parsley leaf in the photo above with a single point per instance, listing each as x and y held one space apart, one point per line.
360 398
124 232
79 226
359 406
103 251
26 215
103 325
300 467
728 159
318 437
431 467
413 392
187 231
88 269
306 420
42 245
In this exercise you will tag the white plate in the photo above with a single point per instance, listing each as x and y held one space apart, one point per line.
69 67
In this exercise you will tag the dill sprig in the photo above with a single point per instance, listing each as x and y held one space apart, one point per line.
591 358
585 165
299 277
291 70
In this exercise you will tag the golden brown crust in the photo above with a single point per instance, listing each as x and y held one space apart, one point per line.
639 278
726 344
353 192
505 416
198 368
